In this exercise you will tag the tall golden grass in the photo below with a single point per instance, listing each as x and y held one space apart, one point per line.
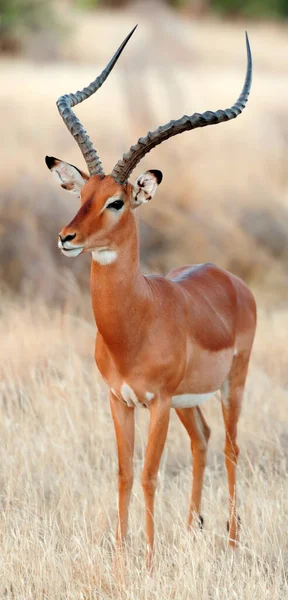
59 476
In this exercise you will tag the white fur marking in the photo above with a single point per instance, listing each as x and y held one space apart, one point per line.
225 391
69 250
144 188
56 176
69 246
189 400
73 252
129 395
235 352
64 174
149 396
104 256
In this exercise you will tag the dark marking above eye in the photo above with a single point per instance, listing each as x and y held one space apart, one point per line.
116 205
82 212
85 208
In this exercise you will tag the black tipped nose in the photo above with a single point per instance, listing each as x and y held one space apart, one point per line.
67 238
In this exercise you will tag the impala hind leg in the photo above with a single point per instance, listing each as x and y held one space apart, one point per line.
123 418
231 398
159 421
199 433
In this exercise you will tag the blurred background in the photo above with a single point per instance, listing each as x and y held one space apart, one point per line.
224 195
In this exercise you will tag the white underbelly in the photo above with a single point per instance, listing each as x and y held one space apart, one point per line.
189 400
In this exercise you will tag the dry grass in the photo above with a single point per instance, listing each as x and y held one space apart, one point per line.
59 473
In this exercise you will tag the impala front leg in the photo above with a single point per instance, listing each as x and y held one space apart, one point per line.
123 418
159 421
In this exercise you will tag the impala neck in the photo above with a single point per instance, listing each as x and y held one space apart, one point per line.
117 290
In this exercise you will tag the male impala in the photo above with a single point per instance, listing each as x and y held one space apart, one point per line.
162 342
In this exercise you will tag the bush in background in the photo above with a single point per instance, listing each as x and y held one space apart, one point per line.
21 17
237 8
251 8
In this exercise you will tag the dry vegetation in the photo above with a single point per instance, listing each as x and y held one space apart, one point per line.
224 197
59 476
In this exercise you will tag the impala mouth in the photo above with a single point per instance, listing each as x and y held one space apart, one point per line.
71 252
69 249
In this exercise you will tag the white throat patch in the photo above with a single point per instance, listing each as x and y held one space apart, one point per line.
104 256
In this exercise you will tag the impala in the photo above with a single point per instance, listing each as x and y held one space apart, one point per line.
162 342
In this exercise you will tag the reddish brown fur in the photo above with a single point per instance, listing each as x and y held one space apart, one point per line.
188 332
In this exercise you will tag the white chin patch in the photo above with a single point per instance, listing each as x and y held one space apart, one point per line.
104 256
72 252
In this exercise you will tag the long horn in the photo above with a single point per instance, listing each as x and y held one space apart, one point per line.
64 104
125 165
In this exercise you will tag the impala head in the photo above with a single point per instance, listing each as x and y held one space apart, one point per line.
101 225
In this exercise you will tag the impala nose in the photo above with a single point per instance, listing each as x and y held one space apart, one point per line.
67 238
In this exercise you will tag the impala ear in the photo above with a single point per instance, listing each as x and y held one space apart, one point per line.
68 176
145 187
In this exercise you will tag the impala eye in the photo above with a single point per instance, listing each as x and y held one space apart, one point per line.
116 205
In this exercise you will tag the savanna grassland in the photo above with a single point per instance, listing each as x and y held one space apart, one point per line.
224 198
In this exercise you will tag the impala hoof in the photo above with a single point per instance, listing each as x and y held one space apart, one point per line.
200 521
238 523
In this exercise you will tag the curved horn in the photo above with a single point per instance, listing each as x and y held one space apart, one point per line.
125 165
64 104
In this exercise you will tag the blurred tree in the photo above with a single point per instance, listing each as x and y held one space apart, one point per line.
17 17
236 8
251 8
230 8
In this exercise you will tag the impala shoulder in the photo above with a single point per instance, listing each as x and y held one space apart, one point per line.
212 301
159 284
188 271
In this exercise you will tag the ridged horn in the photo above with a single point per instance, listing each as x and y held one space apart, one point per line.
127 164
66 102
